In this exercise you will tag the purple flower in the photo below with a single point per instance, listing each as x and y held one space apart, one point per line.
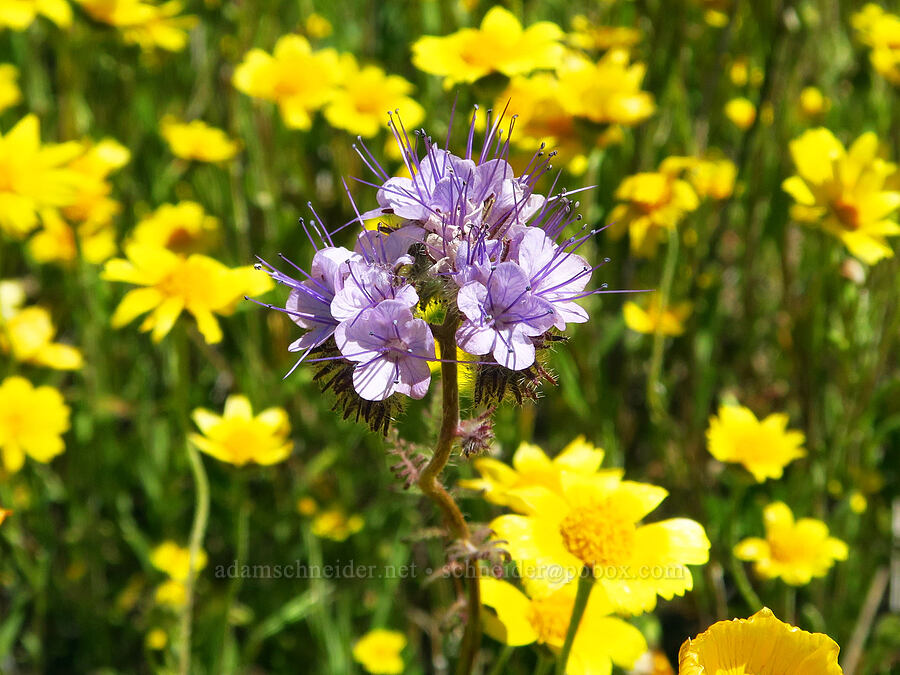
365 286
391 349
389 250
502 315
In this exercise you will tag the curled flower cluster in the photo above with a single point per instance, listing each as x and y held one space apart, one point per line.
464 232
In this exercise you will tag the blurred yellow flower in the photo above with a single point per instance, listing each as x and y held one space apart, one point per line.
274 77
655 203
336 525
28 336
858 502
360 105
317 26
606 92
531 467
500 44
175 561
794 551
844 191
307 506
156 639
593 37
600 640
9 87
198 141
710 177
378 651
761 644
93 167
238 437
55 241
651 320
741 112
20 14
764 447
596 522
32 422
183 228
172 283
4 514
813 103
32 176
12 297
880 31
145 24
652 662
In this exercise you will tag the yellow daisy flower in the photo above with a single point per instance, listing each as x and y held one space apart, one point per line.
20 14
32 422
844 191
796 552
9 87
56 241
813 103
28 336
173 283
12 297
366 94
500 44
600 641
378 652
156 639
711 178
175 562
651 320
531 467
593 37
317 26
761 645
183 228
741 112
238 437
145 24
335 524
880 31
596 522
605 92
764 447
273 77
198 141
655 202
32 176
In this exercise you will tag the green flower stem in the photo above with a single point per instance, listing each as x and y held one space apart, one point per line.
585 584
654 386
500 664
429 483
198 532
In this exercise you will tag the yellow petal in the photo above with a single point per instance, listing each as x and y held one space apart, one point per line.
511 607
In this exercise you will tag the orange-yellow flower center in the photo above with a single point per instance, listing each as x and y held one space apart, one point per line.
846 212
549 617
599 534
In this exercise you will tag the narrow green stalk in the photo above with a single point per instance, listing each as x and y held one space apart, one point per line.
198 532
790 604
585 584
500 663
654 386
544 665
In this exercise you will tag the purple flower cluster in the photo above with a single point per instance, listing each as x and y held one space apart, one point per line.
464 232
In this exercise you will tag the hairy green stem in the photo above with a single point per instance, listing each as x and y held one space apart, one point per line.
198 531
585 584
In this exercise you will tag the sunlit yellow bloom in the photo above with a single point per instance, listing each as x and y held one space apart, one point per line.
365 96
172 283
608 91
764 447
156 639
198 141
858 502
590 36
20 14
844 191
652 662
796 552
145 24
880 31
32 176
32 422
813 103
4 514
171 593
28 336
238 437
175 562
651 320
600 641
531 467
710 177
12 297
55 241
183 228
500 44
9 88
596 522
336 525
274 77
655 203
760 645
93 167
378 652
741 112
317 26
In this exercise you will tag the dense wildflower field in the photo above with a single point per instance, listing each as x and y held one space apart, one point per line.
429 337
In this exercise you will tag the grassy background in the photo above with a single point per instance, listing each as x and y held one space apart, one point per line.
775 325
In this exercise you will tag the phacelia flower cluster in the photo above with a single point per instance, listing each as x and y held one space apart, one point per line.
464 234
